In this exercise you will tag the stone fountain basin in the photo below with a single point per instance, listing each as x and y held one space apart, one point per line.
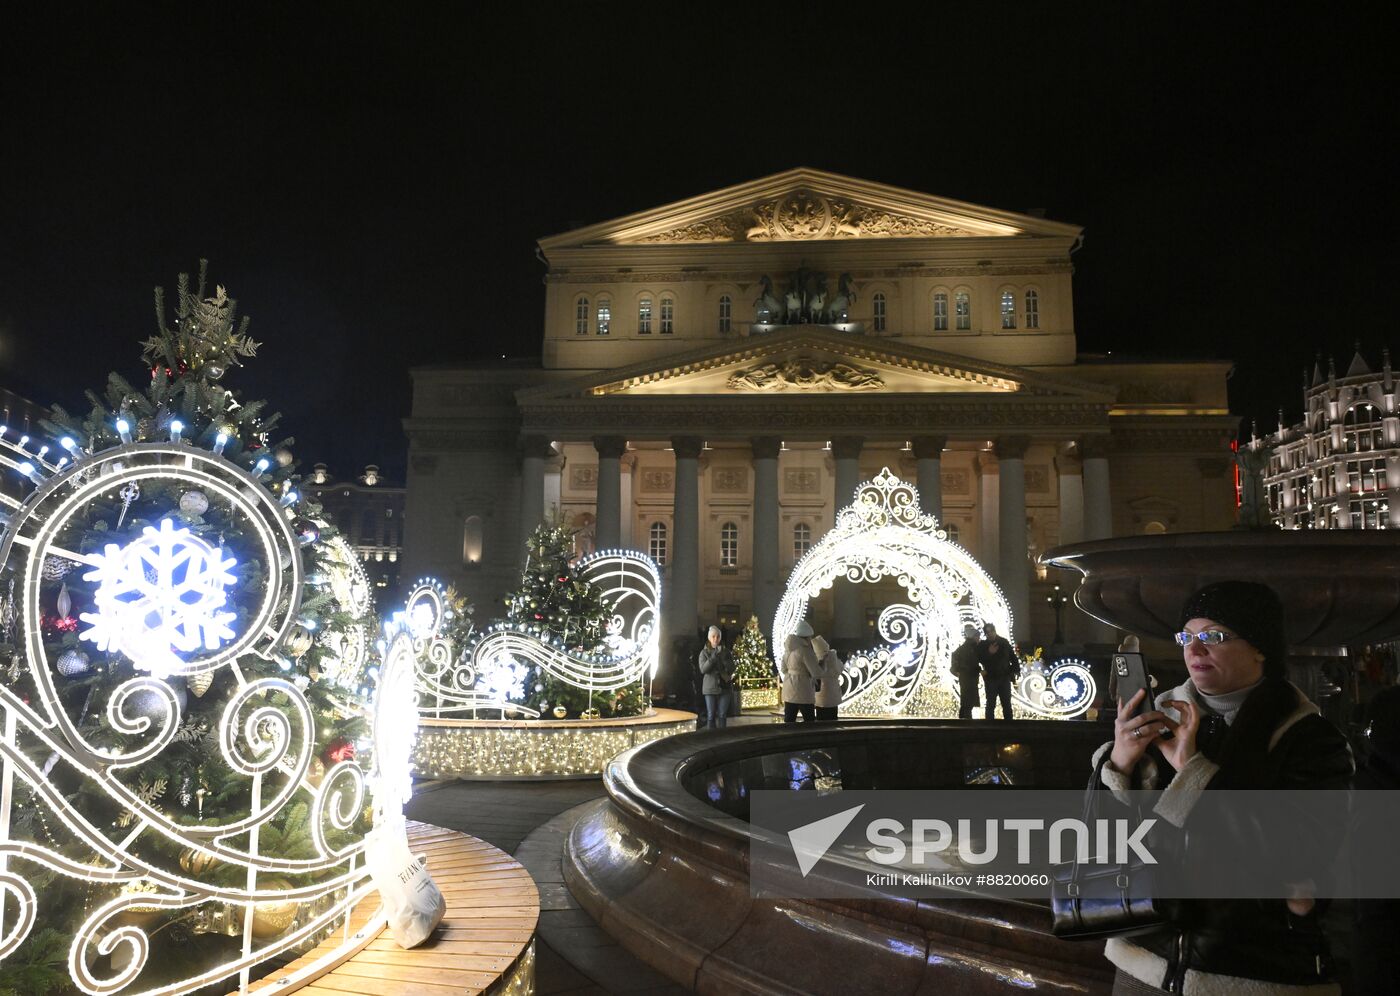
1338 587
663 863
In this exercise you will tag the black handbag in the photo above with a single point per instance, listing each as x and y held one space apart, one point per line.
1103 900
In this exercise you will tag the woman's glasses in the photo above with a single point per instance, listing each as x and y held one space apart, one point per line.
1208 637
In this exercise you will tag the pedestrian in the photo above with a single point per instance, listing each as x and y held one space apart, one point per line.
966 670
717 679
1375 956
994 655
828 694
800 673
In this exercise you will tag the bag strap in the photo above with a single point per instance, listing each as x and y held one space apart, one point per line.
1091 798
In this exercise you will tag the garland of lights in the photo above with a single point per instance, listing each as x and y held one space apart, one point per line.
882 533
161 602
489 672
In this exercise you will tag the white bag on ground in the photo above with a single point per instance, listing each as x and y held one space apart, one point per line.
411 898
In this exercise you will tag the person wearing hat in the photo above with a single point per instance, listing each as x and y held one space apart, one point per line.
1236 723
966 670
828 686
800 672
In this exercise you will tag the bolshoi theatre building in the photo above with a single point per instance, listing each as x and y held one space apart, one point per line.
717 375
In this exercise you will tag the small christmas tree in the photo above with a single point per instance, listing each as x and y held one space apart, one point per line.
752 665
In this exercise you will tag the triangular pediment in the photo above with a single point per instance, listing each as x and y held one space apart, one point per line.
807 205
814 360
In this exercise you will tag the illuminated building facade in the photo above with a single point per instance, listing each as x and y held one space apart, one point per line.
717 376
368 511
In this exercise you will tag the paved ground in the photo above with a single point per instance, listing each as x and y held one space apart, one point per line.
531 820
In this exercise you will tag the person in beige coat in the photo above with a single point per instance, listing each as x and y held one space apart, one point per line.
800 672
828 697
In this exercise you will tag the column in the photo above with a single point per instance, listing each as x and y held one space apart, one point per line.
609 529
846 451
1014 569
989 545
766 583
1071 499
684 594
534 451
1098 503
928 454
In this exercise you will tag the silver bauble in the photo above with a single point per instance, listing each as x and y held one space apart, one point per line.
151 705
215 370
72 663
194 503
298 641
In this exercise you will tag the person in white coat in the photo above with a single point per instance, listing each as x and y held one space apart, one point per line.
800 672
828 697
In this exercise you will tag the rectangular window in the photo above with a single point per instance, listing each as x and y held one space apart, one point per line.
668 312
1008 310
729 545
725 305
1032 310
940 312
644 317
581 317
963 307
604 317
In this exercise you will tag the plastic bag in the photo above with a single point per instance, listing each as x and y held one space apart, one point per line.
411 899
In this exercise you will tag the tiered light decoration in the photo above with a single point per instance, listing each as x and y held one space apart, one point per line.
487 673
165 602
882 533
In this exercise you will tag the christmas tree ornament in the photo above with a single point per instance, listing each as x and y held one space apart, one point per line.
56 568
273 917
194 503
560 712
298 641
72 663
128 494
200 682
64 602
215 371
283 456
197 863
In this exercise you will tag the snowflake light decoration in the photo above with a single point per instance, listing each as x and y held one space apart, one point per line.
161 595
504 679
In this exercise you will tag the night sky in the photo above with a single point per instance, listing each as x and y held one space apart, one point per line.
371 187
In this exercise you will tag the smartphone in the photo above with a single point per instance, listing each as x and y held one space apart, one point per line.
1132 675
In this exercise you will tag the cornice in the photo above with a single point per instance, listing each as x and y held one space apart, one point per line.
630 275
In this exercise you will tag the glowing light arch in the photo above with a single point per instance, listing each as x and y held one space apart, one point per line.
881 534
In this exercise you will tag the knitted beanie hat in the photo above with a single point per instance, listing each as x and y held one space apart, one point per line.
1252 610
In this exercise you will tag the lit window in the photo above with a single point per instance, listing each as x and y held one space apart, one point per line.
657 544
725 310
644 316
940 312
728 545
668 314
1032 309
879 312
1008 310
604 316
952 530
581 317
1362 427
962 305
801 540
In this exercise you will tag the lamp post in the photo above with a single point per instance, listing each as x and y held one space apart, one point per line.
1057 600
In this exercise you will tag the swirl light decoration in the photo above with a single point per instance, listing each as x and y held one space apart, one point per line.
485 674
348 651
881 534
164 604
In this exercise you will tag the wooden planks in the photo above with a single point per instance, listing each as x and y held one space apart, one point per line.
493 909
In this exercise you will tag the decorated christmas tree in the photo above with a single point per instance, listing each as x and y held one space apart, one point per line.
753 668
559 606
183 642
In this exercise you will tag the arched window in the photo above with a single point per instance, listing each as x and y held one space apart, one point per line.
1362 424
879 302
801 540
657 543
962 305
604 316
1032 309
726 307
471 540
729 545
940 312
668 316
644 316
1008 310
581 317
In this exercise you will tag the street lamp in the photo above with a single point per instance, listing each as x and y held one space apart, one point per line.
1058 600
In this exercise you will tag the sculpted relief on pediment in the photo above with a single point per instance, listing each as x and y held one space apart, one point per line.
804 374
804 216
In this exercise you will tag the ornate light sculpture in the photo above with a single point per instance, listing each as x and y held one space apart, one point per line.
881 534
486 673
163 603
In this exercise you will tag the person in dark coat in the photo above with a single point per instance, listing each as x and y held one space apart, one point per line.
994 654
966 670
717 679
1236 723
1376 957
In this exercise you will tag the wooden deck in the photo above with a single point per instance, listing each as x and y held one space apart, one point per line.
483 945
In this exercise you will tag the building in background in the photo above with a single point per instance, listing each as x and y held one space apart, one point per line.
718 374
369 512
1339 468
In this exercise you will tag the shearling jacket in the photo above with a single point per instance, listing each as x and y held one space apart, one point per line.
1228 946
800 671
